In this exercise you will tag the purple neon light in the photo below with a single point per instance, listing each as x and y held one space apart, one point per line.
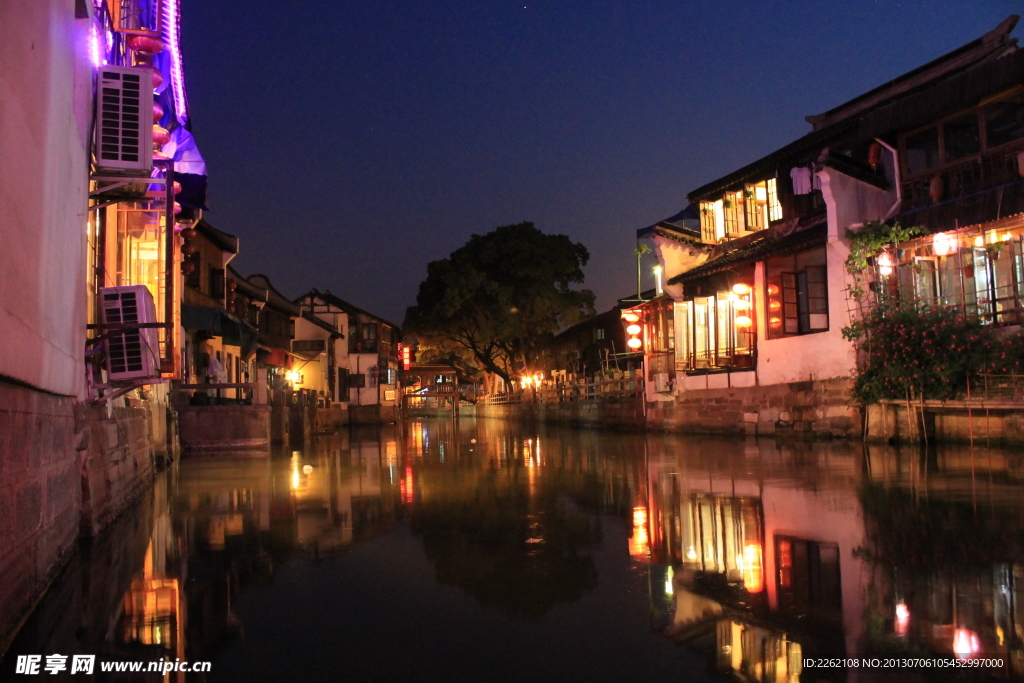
172 16
94 48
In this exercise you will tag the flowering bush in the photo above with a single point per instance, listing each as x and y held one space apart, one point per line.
927 352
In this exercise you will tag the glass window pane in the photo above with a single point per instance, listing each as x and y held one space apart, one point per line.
922 151
961 137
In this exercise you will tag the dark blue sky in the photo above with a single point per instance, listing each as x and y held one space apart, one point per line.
349 143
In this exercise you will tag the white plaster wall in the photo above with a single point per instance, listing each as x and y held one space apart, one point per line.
823 355
676 258
45 118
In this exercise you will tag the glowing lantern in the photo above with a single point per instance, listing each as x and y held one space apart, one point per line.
944 244
633 329
902 625
743 321
773 290
740 289
160 135
775 321
979 241
775 304
741 304
885 263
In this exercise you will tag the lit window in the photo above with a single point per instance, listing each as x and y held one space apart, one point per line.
797 294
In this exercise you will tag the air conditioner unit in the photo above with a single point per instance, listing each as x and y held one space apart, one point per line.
131 353
124 120
662 383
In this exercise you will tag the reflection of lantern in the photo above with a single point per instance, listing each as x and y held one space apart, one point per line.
639 544
902 624
773 290
966 643
775 321
753 574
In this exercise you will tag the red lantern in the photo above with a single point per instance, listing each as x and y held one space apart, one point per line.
232 285
188 233
231 308
176 187
158 78
875 154
188 249
146 44
187 267
160 135
158 111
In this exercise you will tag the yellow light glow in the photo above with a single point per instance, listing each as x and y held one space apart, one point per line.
743 321
630 317
1006 237
944 244
761 193
741 304
633 329
773 290
634 343
775 321
639 544
775 305
979 241
741 289
292 376
753 575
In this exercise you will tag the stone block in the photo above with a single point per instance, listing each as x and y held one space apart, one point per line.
750 417
750 428
768 415
785 416
28 507
766 427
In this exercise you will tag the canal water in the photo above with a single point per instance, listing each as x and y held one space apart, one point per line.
485 550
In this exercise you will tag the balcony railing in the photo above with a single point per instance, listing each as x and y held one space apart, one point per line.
965 177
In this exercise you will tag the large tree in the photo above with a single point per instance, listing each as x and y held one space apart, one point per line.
501 296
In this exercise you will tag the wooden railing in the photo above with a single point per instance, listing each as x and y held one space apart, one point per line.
624 389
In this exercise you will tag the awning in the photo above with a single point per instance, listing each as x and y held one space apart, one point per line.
219 323
271 355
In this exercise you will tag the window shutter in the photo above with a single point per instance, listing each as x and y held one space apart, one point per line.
790 304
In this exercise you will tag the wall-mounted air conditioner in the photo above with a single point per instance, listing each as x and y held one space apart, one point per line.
131 353
662 383
124 120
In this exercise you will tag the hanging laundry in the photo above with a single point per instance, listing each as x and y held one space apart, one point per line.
801 176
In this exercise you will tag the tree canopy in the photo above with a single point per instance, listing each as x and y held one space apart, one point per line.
502 295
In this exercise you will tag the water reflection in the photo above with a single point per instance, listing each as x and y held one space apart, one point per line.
595 552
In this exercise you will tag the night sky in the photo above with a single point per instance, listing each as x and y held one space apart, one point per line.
350 143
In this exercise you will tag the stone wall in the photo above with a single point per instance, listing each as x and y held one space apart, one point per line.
116 462
800 409
372 414
626 414
819 408
240 428
330 419
40 496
